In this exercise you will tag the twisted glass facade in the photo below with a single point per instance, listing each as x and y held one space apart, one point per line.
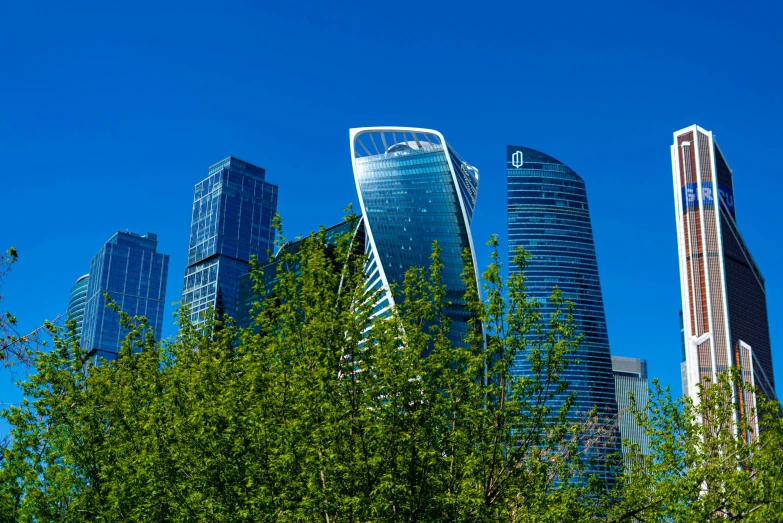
630 375
128 268
231 221
548 215
77 301
414 189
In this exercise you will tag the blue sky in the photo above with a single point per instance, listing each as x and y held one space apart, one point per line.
109 114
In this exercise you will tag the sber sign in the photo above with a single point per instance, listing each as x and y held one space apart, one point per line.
690 195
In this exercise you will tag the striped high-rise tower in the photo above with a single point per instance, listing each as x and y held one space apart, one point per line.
723 297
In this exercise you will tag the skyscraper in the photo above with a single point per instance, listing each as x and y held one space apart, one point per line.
231 221
723 295
414 189
77 301
630 375
129 268
548 215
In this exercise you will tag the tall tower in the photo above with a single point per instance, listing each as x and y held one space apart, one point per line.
414 189
548 215
128 268
723 297
231 221
77 301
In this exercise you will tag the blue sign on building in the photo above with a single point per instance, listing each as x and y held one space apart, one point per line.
691 191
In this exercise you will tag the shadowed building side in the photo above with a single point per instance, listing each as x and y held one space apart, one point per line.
249 295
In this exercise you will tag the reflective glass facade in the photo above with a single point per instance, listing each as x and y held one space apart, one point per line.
630 375
414 189
77 301
129 268
724 300
548 215
231 221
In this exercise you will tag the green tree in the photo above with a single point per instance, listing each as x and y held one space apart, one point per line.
322 411
700 468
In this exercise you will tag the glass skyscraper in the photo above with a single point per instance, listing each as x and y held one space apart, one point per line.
630 375
128 268
77 301
548 215
724 301
414 189
231 221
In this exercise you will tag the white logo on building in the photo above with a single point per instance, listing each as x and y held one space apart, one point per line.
517 160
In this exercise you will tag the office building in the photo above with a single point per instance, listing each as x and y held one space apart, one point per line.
231 221
76 302
723 294
250 295
548 215
414 189
630 375
128 268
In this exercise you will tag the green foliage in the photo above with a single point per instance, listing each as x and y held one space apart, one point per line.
15 347
10 340
699 467
324 412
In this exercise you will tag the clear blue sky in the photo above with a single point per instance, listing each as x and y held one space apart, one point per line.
110 113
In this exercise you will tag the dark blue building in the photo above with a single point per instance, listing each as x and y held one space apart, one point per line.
128 268
248 295
231 221
414 189
548 215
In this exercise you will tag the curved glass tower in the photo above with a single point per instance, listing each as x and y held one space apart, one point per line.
548 216
414 189
77 301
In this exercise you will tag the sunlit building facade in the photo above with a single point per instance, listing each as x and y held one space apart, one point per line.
231 221
414 189
132 272
548 216
724 304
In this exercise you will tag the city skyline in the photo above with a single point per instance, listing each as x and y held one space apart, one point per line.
232 158
109 131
